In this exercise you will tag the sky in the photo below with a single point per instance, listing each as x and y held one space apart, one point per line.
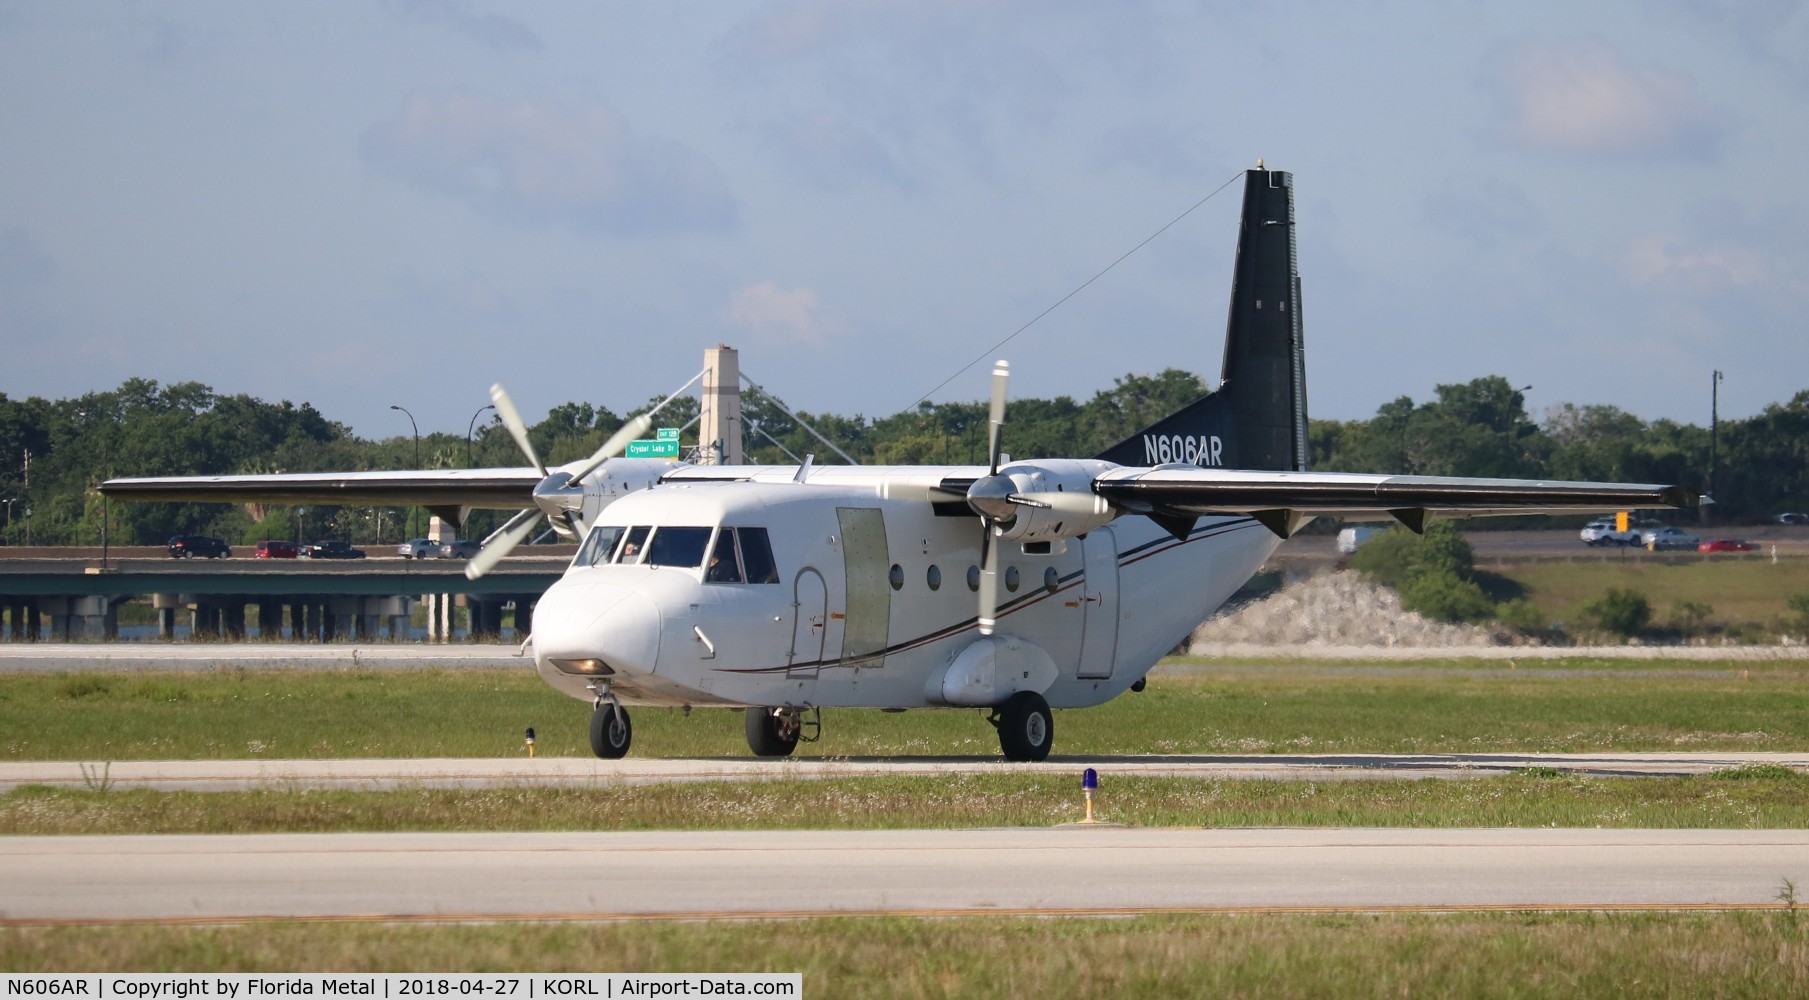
399 202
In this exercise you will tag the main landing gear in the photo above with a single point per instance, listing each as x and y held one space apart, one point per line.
1026 728
775 732
610 730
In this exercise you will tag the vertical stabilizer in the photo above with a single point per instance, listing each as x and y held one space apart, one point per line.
1257 418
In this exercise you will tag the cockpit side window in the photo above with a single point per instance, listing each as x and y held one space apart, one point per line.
597 545
757 556
678 545
633 546
723 566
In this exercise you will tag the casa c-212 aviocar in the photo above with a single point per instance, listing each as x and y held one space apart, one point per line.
1015 588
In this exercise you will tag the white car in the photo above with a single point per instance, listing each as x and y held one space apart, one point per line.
419 548
1602 532
1669 537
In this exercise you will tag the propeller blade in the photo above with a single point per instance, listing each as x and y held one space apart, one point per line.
1001 374
518 429
617 443
500 543
989 581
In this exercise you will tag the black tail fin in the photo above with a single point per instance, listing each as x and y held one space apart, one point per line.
1257 419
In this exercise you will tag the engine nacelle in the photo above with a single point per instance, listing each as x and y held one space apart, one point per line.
1057 500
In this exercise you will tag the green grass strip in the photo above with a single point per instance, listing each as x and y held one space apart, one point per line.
1504 955
1749 799
1198 709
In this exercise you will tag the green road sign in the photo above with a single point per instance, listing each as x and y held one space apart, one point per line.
666 434
653 449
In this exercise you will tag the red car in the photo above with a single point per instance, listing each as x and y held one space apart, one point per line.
1725 545
276 550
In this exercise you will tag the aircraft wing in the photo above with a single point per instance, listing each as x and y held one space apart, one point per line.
499 489
1282 500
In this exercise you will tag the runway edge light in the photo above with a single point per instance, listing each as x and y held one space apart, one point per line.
1089 783
529 737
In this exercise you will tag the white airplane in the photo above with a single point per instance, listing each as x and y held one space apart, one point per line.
1016 587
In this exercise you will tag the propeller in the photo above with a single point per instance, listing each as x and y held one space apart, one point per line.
991 499
554 488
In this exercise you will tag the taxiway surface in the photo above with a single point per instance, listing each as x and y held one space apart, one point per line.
387 773
1065 870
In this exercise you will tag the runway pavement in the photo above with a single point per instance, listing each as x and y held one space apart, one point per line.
1064 871
379 774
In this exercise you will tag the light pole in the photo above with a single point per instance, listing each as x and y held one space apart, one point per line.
1714 432
470 426
417 429
9 501
300 513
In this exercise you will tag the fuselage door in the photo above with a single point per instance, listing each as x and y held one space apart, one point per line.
810 622
1099 598
866 563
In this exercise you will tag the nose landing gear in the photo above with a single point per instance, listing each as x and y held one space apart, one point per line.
610 730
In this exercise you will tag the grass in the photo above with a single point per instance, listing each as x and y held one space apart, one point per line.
1507 955
1203 708
1744 590
1753 798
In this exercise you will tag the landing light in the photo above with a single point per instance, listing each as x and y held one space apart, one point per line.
591 666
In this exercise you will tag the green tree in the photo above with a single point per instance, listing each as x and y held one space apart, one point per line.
1623 612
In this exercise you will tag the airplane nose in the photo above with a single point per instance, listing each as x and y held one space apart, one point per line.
591 628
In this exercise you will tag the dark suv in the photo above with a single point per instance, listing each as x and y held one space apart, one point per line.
190 546
332 549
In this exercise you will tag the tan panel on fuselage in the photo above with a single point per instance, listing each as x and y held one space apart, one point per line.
866 562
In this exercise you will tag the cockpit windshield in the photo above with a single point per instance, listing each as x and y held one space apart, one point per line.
676 545
684 546
597 545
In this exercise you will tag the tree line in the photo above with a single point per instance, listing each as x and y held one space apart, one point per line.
53 453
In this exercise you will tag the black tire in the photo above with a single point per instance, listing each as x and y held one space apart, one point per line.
610 732
767 737
1026 729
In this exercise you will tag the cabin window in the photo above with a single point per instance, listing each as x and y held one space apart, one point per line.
1011 579
724 566
896 577
934 577
1051 579
597 545
678 545
633 546
757 556
973 579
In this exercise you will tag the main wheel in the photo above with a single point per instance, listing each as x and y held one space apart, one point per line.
1026 729
610 731
770 735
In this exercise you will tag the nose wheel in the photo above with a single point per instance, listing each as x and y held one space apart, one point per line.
610 731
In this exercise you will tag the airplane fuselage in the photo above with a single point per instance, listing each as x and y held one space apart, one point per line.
839 595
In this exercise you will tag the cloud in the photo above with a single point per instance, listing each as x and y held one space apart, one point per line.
1676 264
23 259
834 152
776 315
541 161
494 31
1584 98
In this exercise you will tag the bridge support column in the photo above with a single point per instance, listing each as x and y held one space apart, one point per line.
524 616
310 622
87 616
270 620
234 619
